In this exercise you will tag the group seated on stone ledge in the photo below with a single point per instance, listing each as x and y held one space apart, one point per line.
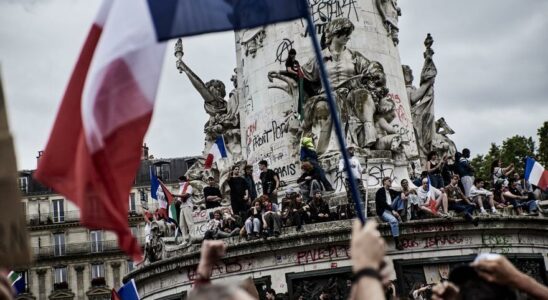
221 226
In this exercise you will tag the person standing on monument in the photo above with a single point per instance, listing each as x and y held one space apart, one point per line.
270 181
239 193
212 194
356 169
185 216
387 203
434 168
466 171
308 153
248 176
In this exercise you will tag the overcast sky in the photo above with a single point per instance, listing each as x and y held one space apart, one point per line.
491 57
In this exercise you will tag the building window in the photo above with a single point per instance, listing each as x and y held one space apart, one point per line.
163 171
59 244
24 184
144 196
96 238
132 204
58 210
60 278
97 271
130 266
98 275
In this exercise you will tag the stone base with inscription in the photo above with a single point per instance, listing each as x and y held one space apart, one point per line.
319 255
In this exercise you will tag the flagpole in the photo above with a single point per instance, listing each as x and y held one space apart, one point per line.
334 115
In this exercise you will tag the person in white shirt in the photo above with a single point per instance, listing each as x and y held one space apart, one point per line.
186 205
431 202
357 171
479 195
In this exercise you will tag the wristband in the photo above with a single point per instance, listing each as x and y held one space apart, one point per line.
201 280
367 272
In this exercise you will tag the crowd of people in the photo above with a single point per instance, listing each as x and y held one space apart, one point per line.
446 188
254 215
449 185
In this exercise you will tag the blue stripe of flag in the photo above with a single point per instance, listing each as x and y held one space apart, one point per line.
154 184
221 145
176 18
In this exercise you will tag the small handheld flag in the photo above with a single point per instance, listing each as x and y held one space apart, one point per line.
217 151
536 174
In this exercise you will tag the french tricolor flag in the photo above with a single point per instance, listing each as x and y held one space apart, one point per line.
94 149
536 174
217 151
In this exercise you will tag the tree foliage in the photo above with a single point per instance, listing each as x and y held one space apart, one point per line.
542 153
513 150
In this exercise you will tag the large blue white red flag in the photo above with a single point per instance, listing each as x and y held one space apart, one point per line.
217 151
129 291
176 18
536 174
94 150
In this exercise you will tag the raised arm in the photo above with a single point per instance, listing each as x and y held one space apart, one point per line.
198 84
416 95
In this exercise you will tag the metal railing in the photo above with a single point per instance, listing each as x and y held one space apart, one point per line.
65 217
108 246
51 218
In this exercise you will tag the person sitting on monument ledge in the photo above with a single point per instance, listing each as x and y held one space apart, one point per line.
272 219
309 181
308 153
298 212
411 201
230 225
525 188
319 209
459 202
500 173
431 201
253 223
214 226
212 194
480 196
511 194
387 204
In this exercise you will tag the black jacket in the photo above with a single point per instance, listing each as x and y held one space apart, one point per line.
380 200
314 173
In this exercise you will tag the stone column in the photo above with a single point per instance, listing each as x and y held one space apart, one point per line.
269 97
115 274
80 282
42 283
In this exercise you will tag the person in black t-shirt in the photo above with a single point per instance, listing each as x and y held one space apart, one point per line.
270 181
248 176
239 192
212 194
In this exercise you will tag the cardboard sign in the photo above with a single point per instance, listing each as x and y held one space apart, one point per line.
14 240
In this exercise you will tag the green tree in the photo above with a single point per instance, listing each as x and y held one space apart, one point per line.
543 144
482 163
515 149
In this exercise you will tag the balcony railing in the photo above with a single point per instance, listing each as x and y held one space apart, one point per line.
51 218
78 249
67 216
